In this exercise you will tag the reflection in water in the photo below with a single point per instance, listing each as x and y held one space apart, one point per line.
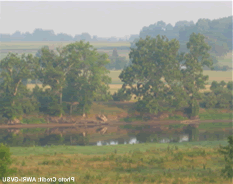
129 140
41 137
133 140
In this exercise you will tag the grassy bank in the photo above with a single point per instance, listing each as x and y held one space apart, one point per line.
186 163
94 150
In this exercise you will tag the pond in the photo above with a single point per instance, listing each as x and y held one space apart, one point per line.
42 137
135 140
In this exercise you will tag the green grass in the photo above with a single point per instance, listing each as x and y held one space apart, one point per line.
94 150
213 114
186 163
176 117
33 120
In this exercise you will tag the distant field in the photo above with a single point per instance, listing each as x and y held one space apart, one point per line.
32 47
116 82
227 58
213 75
122 53
38 45
219 75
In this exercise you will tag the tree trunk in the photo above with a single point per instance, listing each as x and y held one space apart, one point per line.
71 108
84 110
61 97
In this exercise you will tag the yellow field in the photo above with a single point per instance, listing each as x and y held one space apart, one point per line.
219 75
116 82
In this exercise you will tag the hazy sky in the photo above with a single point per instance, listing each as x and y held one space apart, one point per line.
103 19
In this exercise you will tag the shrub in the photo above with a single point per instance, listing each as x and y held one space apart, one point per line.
121 95
210 101
227 151
178 156
230 85
5 161
214 85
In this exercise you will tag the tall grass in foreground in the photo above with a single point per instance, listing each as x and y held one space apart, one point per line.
142 163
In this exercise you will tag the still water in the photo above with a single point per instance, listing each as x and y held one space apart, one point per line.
133 140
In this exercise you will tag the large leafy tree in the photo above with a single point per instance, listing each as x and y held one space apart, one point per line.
14 94
87 80
192 74
53 68
164 79
154 74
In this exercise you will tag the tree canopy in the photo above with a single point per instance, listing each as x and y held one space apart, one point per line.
162 78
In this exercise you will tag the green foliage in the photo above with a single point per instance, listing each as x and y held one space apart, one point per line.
210 101
121 95
117 63
15 98
227 151
87 80
8 109
193 109
54 108
177 117
192 77
149 66
230 85
220 97
214 85
160 84
33 120
218 33
52 139
178 156
5 161
192 132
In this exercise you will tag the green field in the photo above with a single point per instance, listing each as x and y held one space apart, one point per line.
168 163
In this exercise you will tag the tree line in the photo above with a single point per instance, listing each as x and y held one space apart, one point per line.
164 79
49 35
76 76
159 76
218 33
